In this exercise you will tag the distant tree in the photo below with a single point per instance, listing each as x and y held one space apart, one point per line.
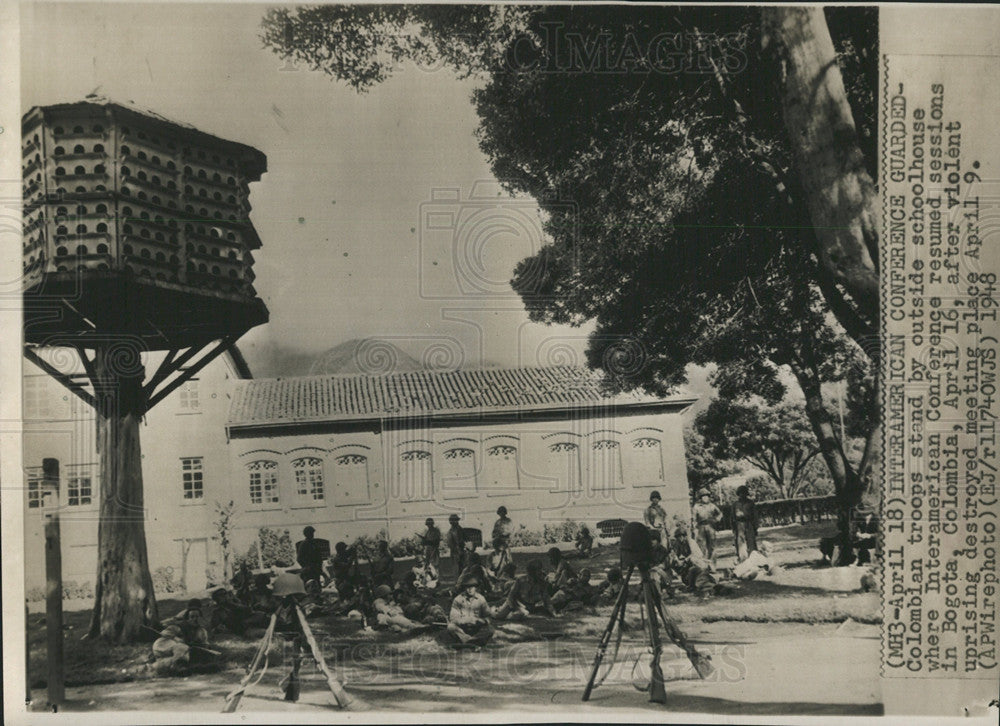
224 520
703 468
778 440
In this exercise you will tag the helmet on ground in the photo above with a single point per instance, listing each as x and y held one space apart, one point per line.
654 496
502 511
288 584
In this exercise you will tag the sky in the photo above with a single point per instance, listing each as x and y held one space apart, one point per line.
378 213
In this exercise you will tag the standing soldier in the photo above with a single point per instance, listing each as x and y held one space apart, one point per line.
744 523
456 544
309 555
656 517
706 517
431 539
502 530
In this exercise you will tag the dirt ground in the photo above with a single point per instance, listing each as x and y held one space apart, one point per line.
802 641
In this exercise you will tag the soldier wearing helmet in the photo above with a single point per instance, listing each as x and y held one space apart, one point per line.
529 594
431 540
456 543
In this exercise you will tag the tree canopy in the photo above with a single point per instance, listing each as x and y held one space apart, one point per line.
668 150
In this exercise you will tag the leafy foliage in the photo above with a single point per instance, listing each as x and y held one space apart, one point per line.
704 468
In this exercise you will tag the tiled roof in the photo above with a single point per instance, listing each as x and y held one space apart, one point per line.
401 395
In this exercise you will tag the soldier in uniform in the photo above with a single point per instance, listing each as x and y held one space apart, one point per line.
530 594
456 544
309 555
469 619
431 540
706 518
382 565
655 516
180 639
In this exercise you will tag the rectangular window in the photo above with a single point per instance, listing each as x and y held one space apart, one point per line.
36 401
189 396
34 492
309 478
263 482
191 473
78 491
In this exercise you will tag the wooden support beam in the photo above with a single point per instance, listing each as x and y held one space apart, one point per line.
63 378
187 374
162 372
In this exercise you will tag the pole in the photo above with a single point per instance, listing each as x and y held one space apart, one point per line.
53 585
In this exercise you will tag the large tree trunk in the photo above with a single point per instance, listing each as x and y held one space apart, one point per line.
839 192
124 601
848 486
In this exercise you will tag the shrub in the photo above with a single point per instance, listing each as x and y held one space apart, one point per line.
524 537
563 532
164 580
277 551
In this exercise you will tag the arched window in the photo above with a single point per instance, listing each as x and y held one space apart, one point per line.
231 199
58 131
160 257
61 251
102 249
141 196
81 249
81 209
141 154
78 149
188 189
202 192
126 151
156 180
144 233
231 182
61 211
60 171
171 165
155 160
79 171
231 254
78 129
217 196
201 174
81 229
81 190
233 274
98 148
500 470
126 191
144 253
565 466
171 184
125 171
127 249
158 236
155 199
102 228
415 475
141 175
99 169
98 129
101 209
458 473
645 462
606 466
263 480
231 237
216 178
351 480
59 151
216 270
309 478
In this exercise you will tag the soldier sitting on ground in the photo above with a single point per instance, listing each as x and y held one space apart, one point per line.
562 575
381 565
183 641
388 613
474 568
576 594
469 620
417 604
661 571
314 603
426 574
232 616
530 594
611 587
503 584
499 557
584 542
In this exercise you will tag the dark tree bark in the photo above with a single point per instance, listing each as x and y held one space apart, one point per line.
839 191
847 483
124 600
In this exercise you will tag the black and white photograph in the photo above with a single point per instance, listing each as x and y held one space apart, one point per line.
503 362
